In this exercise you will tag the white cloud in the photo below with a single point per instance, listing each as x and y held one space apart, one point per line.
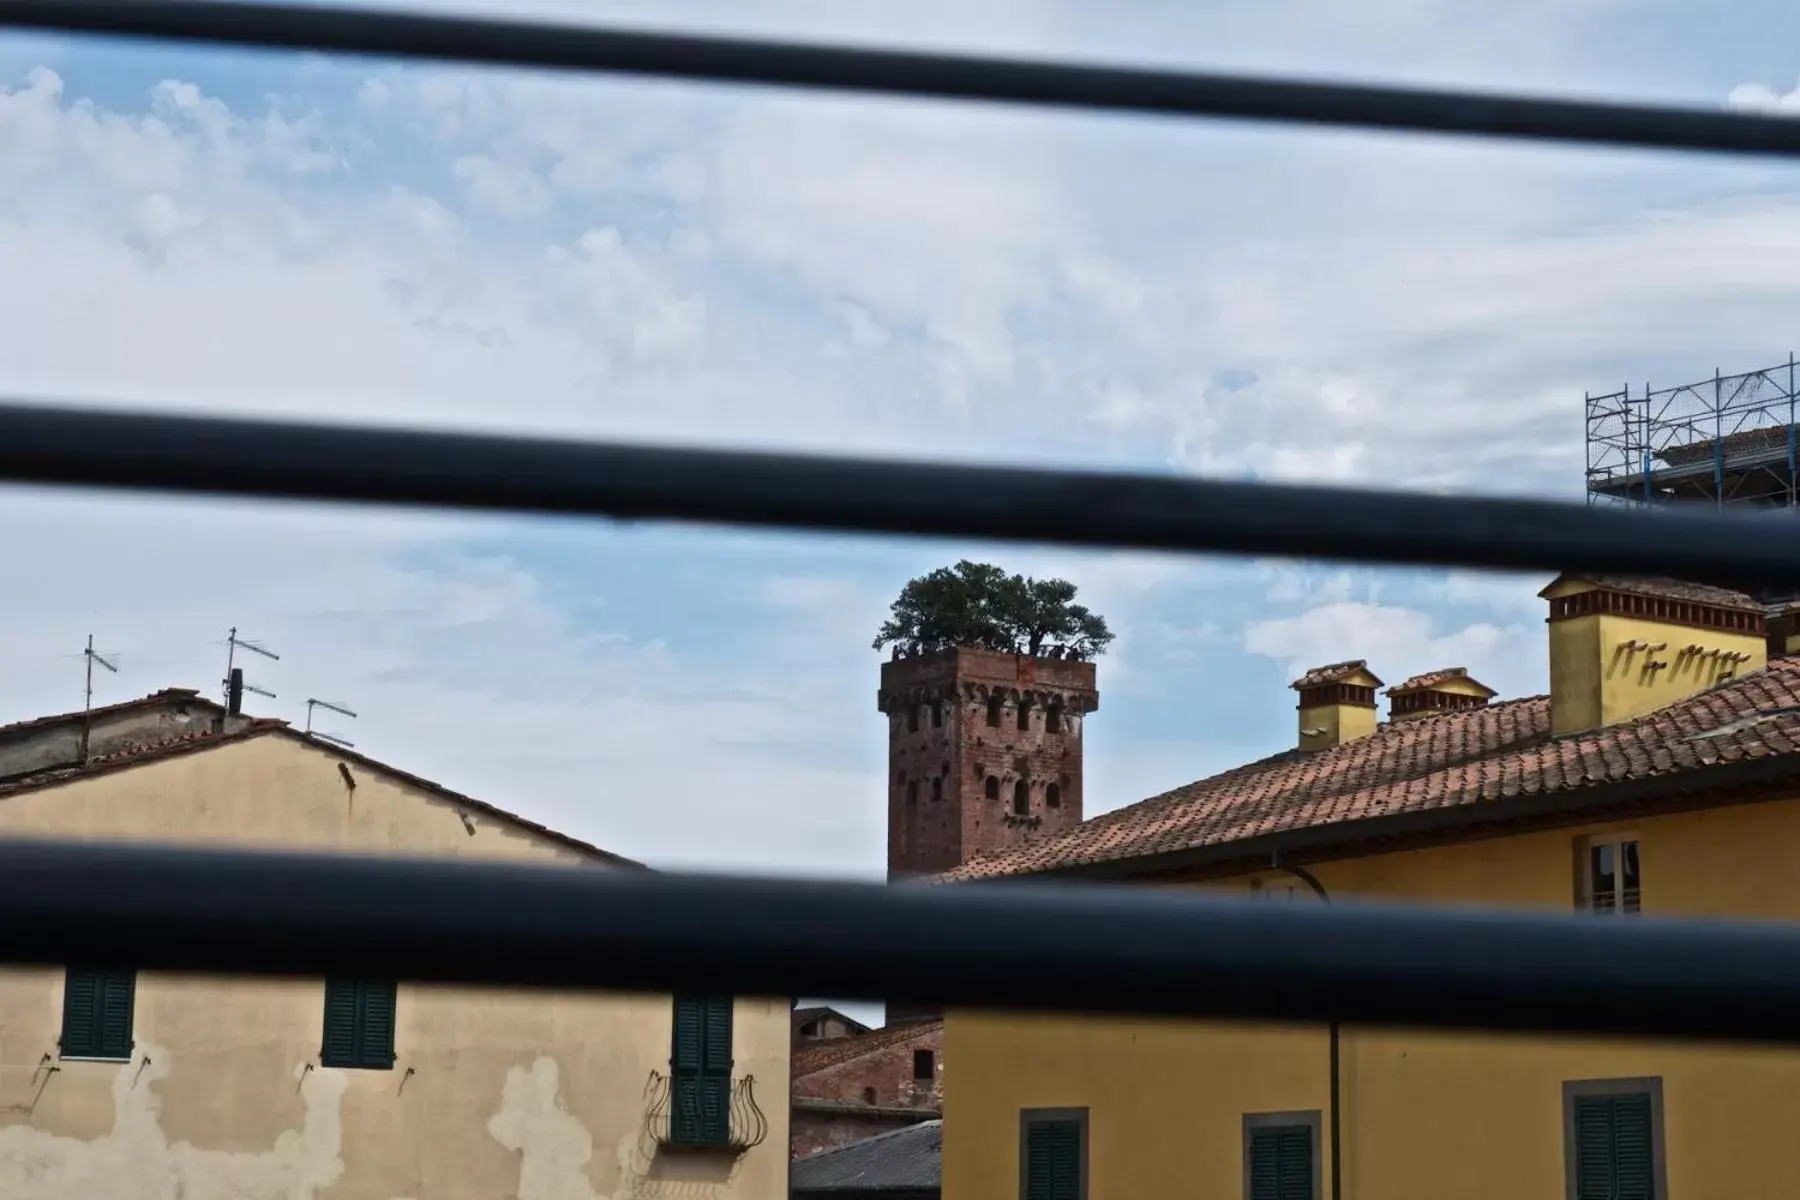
1401 642
1760 97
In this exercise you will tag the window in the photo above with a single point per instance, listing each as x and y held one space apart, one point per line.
912 719
1021 798
700 1068
1024 715
1281 1159
992 788
1611 876
993 712
912 793
359 1024
1053 719
937 788
924 1065
937 716
1053 1154
868 1095
1053 796
1612 1137
97 1011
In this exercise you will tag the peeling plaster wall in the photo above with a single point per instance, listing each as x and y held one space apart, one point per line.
495 1095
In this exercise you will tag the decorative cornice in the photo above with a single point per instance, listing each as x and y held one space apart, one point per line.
1668 610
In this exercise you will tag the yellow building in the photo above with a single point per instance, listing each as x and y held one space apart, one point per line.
1661 775
117 1083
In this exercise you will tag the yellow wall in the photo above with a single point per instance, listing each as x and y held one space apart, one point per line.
1336 723
1595 681
528 1096
1424 1115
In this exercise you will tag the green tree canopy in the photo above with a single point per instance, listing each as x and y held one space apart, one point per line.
980 605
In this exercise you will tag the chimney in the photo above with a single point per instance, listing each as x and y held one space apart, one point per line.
234 692
1447 690
1337 704
1623 647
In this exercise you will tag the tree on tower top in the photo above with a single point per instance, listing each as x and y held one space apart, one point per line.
980 605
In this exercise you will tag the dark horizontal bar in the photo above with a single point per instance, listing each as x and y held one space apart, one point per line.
1017 946
483 40
51 445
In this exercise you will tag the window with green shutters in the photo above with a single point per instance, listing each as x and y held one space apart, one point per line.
1281 1162
97 1006
359 1024
1614 1147
700 1072
1055 1157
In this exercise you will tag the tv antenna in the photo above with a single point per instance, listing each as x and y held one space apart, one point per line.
327 737
235 687
109 660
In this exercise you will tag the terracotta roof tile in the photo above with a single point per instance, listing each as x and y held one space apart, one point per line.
1451 759
1332 673
1436 679
1672 589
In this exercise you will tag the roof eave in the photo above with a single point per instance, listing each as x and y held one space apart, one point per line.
1718 785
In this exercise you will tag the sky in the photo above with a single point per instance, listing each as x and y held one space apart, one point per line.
358 240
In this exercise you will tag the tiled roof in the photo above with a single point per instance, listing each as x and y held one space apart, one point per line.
1434 679
901 1160
841 1050
1334 673
1670 589
188 741
816 1011
1454 760
166 696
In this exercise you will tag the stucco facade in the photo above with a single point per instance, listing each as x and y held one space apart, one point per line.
1423 1115
522 1095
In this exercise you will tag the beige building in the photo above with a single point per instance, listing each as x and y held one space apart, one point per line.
118 1084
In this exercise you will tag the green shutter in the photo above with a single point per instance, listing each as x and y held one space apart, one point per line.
1265 1165
1294 1150
1614 1148
1281 1163
700 1057
1038 1162
97 1012
359 1024
1053 1160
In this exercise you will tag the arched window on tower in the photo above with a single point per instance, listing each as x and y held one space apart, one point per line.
1053 722
937 716
912 719
993 787
993 712
912 793
1024 713
1021 798
1053 796
937 788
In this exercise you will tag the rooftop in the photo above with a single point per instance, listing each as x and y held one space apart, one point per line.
1445 771
841 1050
1334 673
1436 679
906 1160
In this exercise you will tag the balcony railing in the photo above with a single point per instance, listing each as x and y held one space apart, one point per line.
705 1113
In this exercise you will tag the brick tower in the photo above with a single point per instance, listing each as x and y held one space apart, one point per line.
984 752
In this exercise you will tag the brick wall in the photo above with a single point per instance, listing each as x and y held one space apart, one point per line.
856 1087
984 752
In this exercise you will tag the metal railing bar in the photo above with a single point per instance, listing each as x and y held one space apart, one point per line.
1018 946
498 42
468 471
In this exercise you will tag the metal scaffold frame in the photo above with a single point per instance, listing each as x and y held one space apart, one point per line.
1731 439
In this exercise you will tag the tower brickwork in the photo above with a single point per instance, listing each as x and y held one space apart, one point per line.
984 752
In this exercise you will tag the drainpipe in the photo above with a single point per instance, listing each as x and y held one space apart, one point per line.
1337 1177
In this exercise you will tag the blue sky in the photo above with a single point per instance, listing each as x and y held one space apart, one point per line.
359 240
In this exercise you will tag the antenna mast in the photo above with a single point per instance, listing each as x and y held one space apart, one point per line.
235 687
111 663
327 737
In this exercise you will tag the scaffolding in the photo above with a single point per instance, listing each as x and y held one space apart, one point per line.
1730 440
